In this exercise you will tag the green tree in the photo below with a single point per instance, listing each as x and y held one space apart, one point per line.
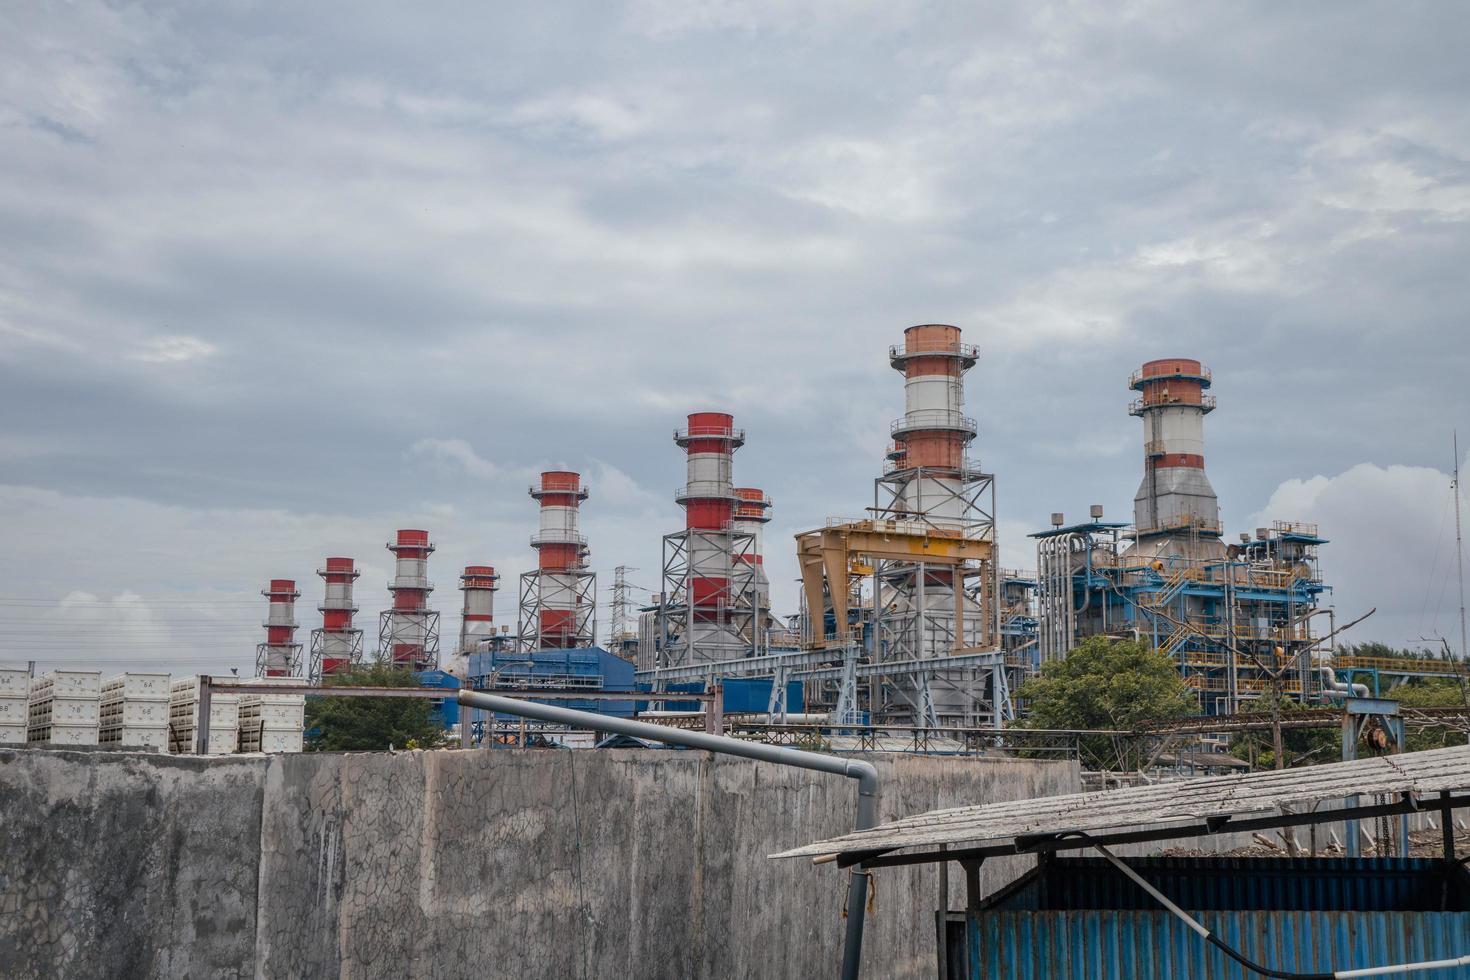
1106 683
347 723
1431 692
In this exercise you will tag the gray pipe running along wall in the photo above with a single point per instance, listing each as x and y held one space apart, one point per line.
491 863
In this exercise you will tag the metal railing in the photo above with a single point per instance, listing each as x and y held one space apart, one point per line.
558 537
1202 374
932 418
709 432
1139 405
900 352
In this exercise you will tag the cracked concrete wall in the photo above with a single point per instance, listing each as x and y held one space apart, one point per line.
123 865
455 864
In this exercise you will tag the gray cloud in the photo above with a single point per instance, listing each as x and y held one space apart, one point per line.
307 275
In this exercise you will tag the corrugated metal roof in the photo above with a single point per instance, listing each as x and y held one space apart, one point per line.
1182 804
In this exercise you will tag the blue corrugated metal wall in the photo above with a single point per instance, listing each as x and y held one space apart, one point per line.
1080 918
1106 945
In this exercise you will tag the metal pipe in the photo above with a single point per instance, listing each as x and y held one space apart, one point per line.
1342 690
864 772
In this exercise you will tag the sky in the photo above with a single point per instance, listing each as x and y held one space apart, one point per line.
276 280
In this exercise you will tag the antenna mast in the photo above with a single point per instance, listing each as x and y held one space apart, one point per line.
1459 546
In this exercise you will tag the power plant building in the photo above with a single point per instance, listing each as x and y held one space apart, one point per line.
1236 617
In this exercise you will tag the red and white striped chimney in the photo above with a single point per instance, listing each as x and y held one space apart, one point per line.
478 583
1175 499
934 432
752 514
561 551
338 644
278 656
708 498
407 634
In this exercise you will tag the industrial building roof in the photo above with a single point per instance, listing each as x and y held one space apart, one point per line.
1159 812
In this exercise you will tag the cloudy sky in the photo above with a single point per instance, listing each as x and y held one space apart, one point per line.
277 280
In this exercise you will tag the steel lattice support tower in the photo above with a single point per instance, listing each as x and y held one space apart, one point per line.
933 611
337 644
408 633
558 601
707 611
280 654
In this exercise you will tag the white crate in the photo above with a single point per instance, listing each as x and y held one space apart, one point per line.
14 682
137 686
223 742
136 714
64 711
14 711
65 734
12 734
270 741
224 711
135 737
278 717
72 683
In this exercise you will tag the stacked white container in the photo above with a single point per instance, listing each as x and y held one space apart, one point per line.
224 718
64 708
135 711
272 722
15 689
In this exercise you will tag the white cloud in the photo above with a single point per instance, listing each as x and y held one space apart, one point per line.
456 454
173 350
1391 530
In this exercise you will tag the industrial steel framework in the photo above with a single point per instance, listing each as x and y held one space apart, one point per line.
710 605
1237 618
558 600
408 633
336 645
280 654
917 582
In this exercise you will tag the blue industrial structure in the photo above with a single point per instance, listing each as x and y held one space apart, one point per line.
571 670
1082 918
1220 618
739 695
443 711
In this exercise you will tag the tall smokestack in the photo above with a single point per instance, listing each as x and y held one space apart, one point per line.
280 654
408 633
337 645
752 513
708 499
1175 510
478 583
558 600
933 433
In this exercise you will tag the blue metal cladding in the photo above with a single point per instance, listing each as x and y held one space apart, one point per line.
568 669
1128 945
1081 918
1243 884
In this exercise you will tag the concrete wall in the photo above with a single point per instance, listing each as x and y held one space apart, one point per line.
529 863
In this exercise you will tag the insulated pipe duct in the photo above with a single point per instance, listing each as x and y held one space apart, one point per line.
863 772
1332 685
